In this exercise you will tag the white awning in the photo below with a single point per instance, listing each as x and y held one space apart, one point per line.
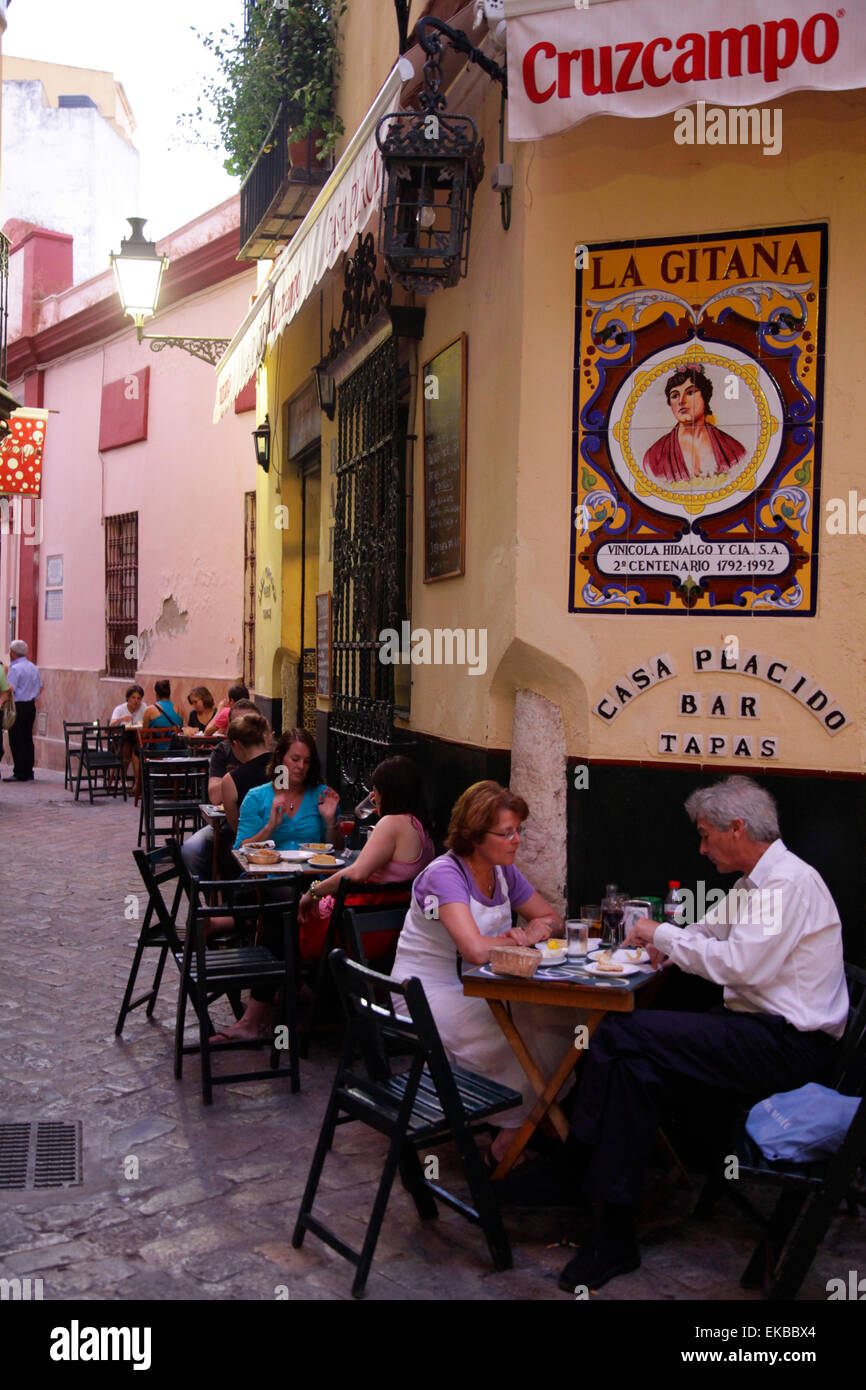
649 57
244 352
340 212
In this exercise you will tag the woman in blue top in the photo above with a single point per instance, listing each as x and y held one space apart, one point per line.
162 714
295 807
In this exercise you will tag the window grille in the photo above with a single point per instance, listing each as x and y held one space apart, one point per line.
121 594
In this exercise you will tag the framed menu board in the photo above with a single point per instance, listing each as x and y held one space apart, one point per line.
323 645
444 384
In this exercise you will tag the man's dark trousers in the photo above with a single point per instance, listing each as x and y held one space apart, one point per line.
21 739
639 1064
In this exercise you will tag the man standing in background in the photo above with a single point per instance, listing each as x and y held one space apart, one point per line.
26 684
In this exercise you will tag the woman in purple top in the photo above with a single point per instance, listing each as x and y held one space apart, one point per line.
460 904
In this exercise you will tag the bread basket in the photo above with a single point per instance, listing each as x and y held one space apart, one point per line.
522 961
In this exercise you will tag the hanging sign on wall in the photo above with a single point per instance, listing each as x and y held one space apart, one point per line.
698 413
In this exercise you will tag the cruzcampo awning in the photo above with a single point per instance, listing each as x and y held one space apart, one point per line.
649 57
342 210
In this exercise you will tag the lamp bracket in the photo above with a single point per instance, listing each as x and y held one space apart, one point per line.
208 350
428 30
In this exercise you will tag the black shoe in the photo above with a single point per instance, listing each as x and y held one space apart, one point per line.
597 1263
541 1184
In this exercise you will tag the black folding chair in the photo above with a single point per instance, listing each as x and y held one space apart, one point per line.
72 730
173 788
99 756
340 934
425 1105
208 974
813 1191
158 927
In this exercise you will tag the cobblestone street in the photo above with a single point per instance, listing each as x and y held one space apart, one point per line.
211 1212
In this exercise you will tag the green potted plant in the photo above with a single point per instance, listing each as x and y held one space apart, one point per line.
287 57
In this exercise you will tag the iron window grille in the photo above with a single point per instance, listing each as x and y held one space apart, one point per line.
121 594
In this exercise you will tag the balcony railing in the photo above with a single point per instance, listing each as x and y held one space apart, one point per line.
276 194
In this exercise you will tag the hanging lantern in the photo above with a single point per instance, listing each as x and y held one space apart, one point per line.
433 163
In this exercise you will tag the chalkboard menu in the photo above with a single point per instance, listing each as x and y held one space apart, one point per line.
444 384
323 645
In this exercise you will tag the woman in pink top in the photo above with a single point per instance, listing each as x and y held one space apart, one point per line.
399 848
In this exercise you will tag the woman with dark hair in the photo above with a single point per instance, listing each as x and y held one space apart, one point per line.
295 806
162 714
461 906
695 447
398 849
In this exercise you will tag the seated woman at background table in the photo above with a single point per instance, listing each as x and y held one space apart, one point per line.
162 714
130 716
398 849
461 905
295 806
203 709
249 736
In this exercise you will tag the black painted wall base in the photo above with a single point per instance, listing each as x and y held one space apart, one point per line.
272 709
628 826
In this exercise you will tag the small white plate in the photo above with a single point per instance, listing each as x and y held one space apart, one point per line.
625 956
551 957
294 856
325 868
593 969
317 848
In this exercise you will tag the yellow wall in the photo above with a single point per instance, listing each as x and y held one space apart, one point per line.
286 371
614 179
610 179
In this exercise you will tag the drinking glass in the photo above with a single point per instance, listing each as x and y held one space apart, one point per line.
591 913
366 808
576 938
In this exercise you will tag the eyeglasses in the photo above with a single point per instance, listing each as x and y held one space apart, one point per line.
505 834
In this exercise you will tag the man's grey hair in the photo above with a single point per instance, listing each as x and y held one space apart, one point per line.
18 648
736 798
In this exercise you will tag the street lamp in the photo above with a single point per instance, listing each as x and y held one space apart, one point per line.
433 163
138 270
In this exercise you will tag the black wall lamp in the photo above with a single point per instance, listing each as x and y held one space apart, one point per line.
262 442
433 163
326 389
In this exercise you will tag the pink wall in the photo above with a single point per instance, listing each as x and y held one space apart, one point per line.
186 481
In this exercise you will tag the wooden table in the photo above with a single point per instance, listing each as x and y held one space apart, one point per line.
286 868
214 816
565 986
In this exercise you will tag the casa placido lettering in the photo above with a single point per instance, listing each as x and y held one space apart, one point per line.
772 670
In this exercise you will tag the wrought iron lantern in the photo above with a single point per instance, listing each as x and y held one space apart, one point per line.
262 442
433 163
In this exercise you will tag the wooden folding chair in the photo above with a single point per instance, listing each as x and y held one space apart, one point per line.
424 1106
99 757
208 974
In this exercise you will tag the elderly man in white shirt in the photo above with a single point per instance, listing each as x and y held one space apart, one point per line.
775 944
26 684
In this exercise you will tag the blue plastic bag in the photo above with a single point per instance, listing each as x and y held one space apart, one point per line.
801 1126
